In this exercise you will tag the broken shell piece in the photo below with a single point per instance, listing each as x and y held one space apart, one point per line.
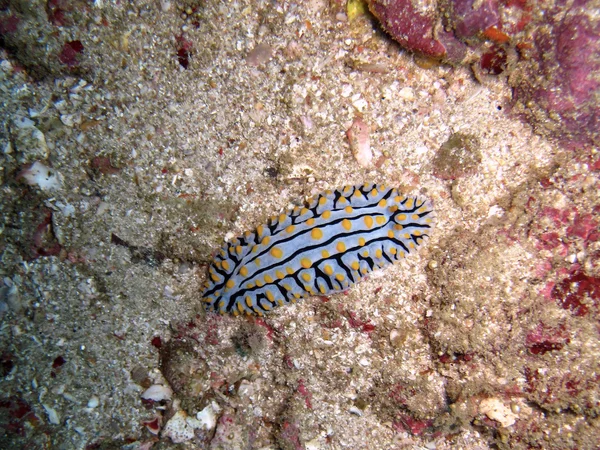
53 417
360 142
157 392
178 429
153 425
207 418
45 178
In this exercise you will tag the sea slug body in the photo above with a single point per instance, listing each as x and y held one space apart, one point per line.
321 249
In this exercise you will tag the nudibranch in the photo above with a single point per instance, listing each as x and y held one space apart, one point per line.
323 248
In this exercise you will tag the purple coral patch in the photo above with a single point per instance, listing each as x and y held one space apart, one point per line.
558 82
412 28
70 53
471 17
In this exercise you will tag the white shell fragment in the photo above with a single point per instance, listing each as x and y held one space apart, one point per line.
360 142
157 392
178 429
207 417
45 178
496 410
354 410
52 414
181 427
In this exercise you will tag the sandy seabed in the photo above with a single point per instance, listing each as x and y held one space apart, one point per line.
137 136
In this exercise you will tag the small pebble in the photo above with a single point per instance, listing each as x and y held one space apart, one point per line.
93 402
360 142
259 55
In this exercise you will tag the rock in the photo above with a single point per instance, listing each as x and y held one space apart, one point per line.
29 141
457 157
470 18
185 370
410 26
494 409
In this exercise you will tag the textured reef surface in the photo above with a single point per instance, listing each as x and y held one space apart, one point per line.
549 52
